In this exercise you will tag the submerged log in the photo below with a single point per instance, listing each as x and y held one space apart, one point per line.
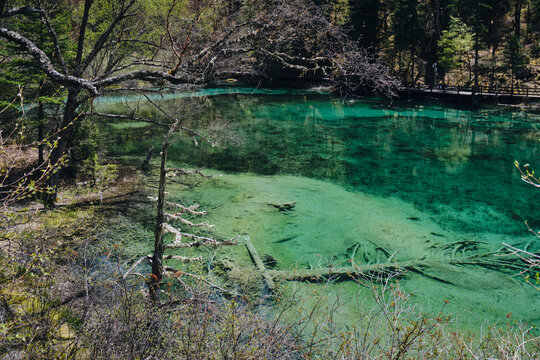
321 274
258 262
284 206
396 269
146 163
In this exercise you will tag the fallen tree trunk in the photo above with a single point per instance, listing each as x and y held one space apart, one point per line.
315 275
258 262
396 269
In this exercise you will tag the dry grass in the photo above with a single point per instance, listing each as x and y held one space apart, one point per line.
17 158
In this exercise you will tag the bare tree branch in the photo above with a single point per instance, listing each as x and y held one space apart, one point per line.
177 273
182 258
147 75
52 32
128 117
24 10
200 241
192 210
187 222
45 62
98 46
82 34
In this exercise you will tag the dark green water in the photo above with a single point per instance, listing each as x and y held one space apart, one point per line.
411 179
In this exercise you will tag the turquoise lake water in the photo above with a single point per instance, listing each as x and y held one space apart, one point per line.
411 180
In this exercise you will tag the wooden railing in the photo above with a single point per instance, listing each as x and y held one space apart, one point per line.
481 90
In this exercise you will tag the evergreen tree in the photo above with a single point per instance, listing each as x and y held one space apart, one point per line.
492 14
518 6
407 31
364 22
42 97
533 19
533 27
455 45
515 60
435 17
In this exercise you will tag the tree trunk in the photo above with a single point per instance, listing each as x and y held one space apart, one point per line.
430 52
399 63
517 18
476 45
157 259
512 80
493 67
159 247
493 261
40 136
258 263
59 150
412 69
469 69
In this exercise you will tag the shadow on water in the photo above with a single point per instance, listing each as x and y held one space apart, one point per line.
411 179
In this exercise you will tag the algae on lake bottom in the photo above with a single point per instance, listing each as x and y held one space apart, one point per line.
404 182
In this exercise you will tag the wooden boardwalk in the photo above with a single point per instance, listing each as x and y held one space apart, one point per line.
485 93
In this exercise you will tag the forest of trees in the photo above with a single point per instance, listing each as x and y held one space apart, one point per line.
499 37
353 44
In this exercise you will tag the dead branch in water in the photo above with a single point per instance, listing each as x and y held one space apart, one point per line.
258 262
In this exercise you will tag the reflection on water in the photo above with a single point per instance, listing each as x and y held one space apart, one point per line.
432 156
405 178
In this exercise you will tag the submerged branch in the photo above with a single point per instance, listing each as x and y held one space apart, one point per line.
258 262
177 273
182 258
200 241
187 222
128 117
192 209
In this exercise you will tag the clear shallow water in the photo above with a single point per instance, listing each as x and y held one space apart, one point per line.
408 179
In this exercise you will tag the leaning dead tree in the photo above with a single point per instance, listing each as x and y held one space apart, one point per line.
193 42
164 221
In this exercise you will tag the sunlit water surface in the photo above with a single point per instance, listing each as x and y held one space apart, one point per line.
408 180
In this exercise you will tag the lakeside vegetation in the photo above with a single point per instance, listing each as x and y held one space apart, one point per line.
73 285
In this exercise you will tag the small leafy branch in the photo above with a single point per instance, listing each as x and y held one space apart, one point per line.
527 175
530 258
18 183
533 261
